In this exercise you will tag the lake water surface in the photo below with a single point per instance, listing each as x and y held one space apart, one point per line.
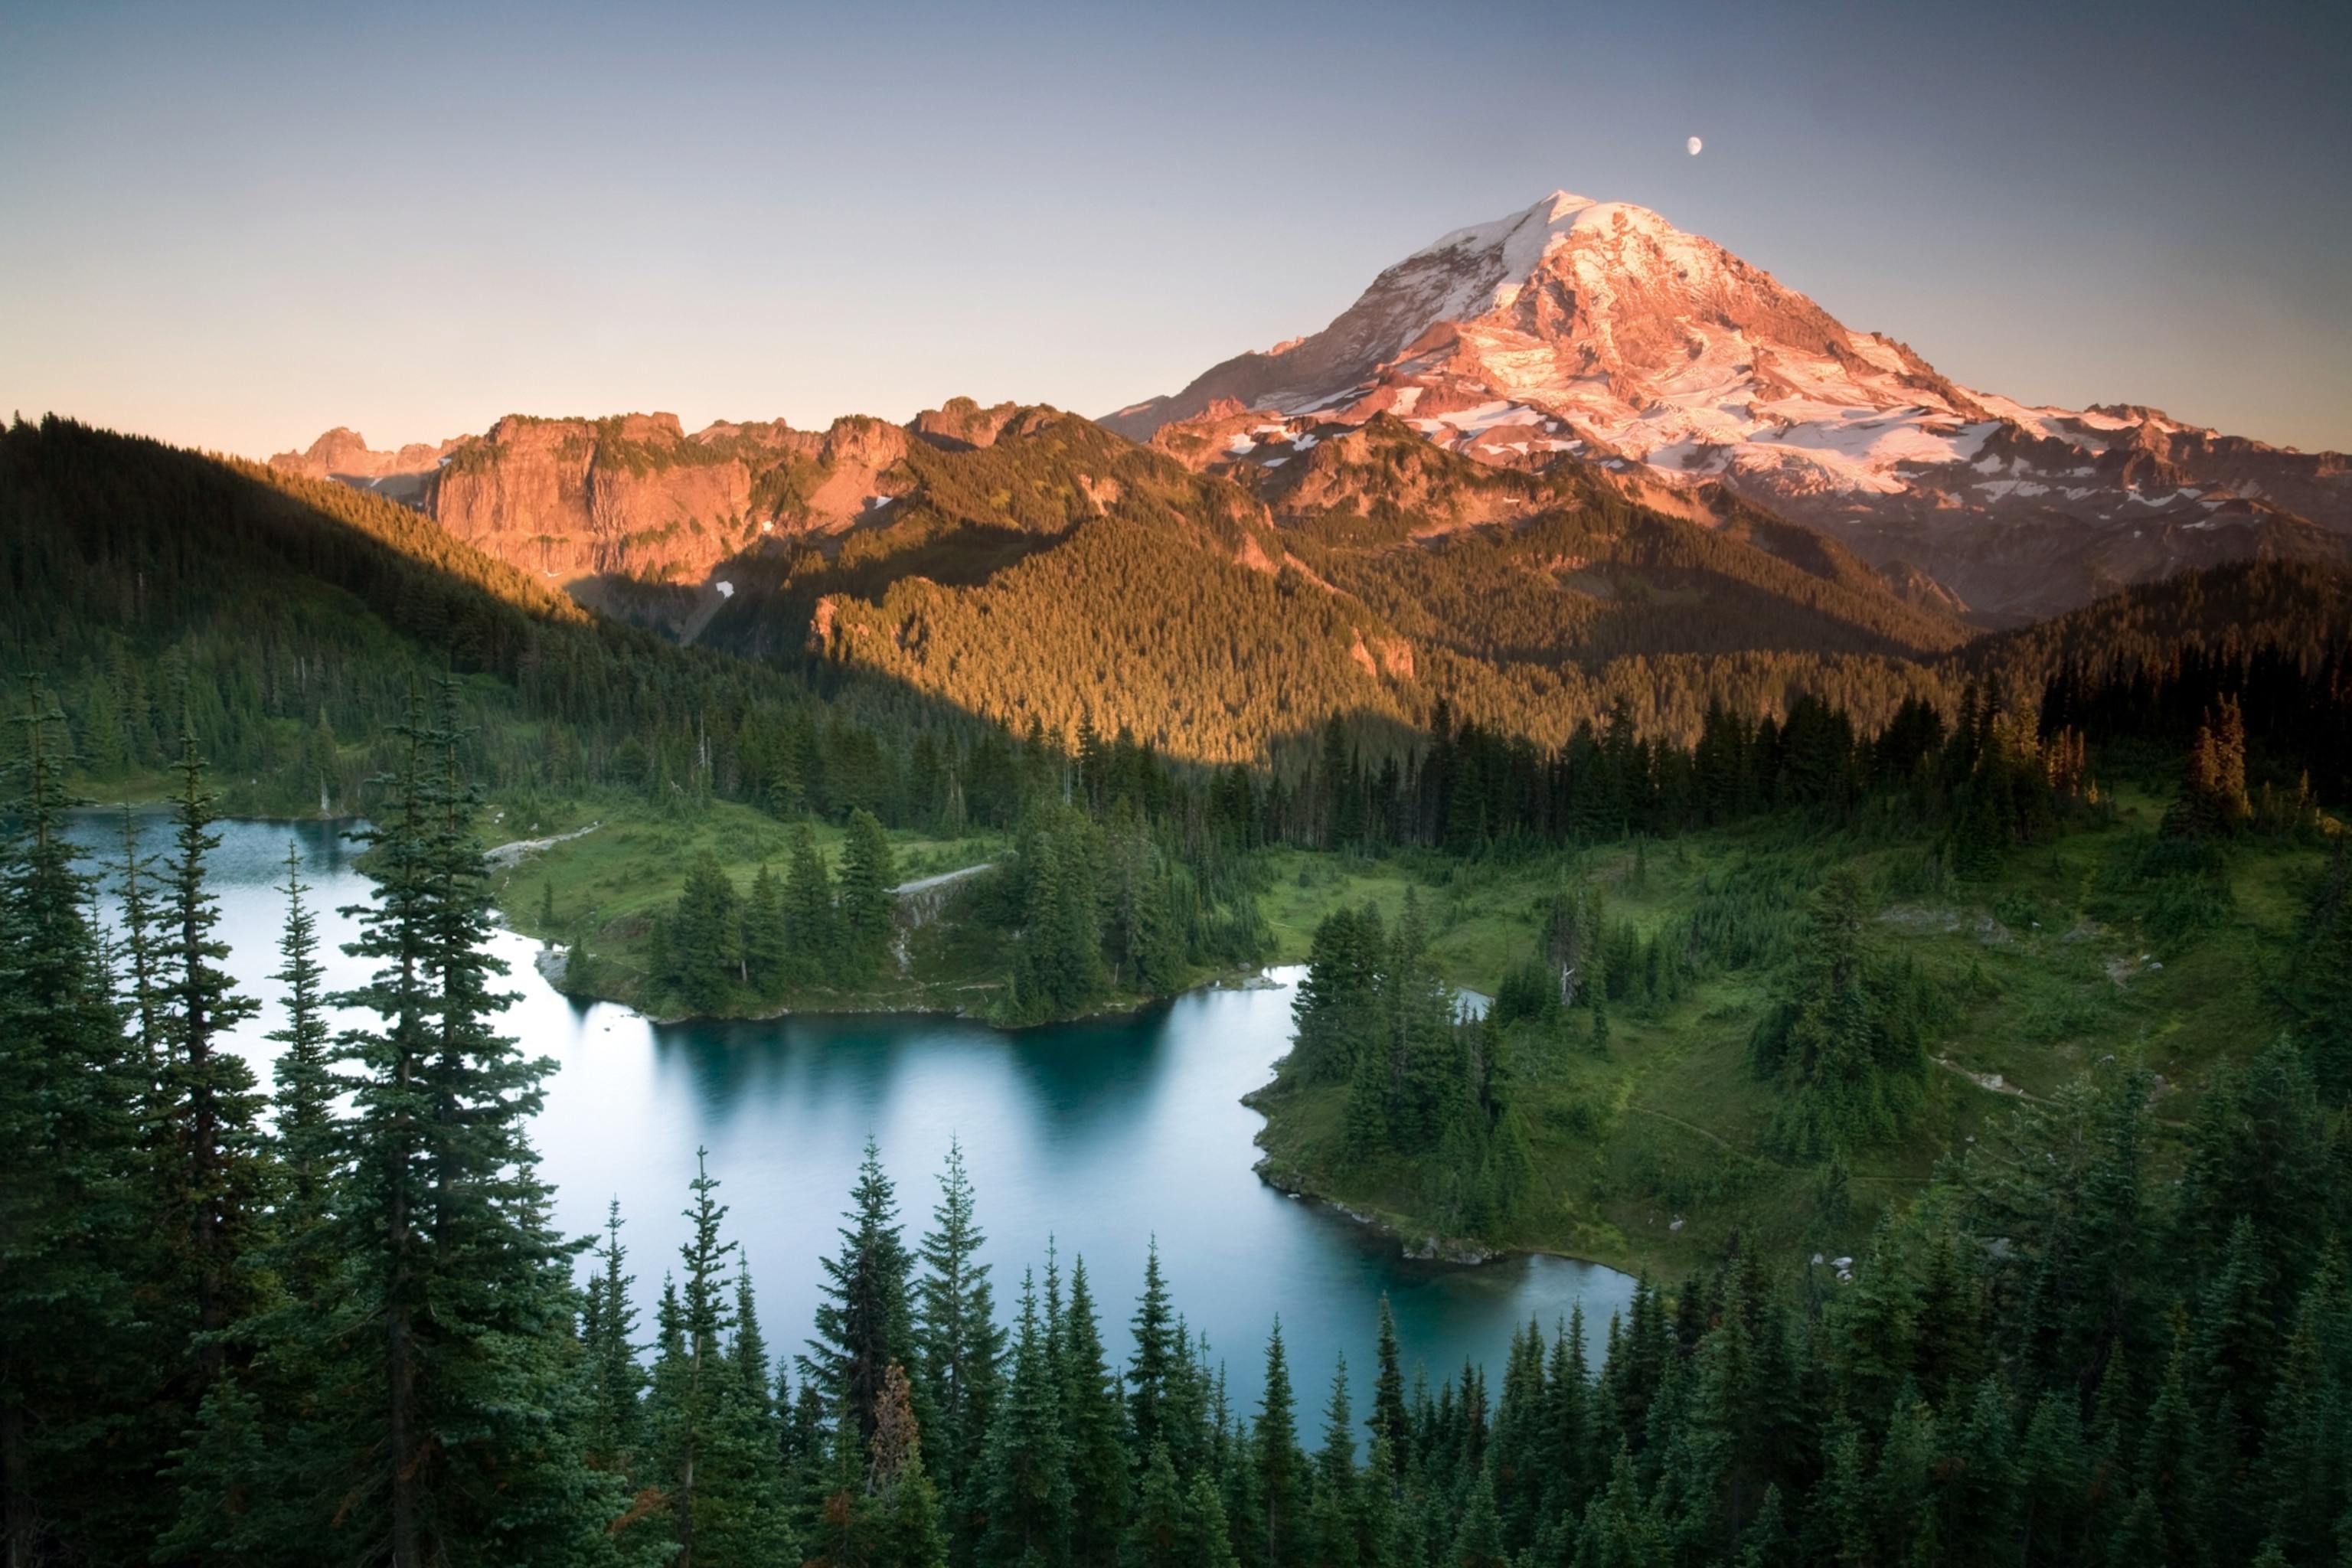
1093 1138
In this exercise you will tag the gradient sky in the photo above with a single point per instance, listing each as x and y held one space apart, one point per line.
237 225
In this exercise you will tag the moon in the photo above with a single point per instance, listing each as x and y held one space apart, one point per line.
1694 144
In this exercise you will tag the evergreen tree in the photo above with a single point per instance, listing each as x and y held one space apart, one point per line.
142 974
1059 968
69 1223
1478 1540
2212 801
765 970
864 1322
897 1523
713 1444
702 939
1155 1536
1566 1453
868 904
2052 1482
616 1382
745 1506
1280 1526
442 1426
1336 1509
227 1511
691 1378
1093 1418
812 926
1156 1367
1847 1037
209 1112
304 1098
1027 1487
1979 1482
961 1344
1389 1421
1336 1012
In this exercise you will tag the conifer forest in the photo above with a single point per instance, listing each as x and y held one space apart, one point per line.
1073 787
2097 1311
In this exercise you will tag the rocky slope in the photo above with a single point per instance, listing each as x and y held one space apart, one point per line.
1592 332
635 500
1030 564
342 455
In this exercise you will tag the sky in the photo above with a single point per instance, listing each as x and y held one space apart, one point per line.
235 227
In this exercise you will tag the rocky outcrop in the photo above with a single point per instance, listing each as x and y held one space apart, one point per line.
961 425
1597 332
343 455
635 499
628 497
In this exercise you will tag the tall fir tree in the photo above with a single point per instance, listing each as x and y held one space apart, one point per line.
445 1426
868 906
1026 1489
1094 1416
617 1381
303 1101
1389 1421
700 954
713 1443
1280 1527
208 1121
812 924
764 945
1155 1370
865 1320
71 1226
961 1347
691 1377
140 975
1336 1507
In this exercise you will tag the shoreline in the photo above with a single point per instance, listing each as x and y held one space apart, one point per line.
1225 980
1431 1246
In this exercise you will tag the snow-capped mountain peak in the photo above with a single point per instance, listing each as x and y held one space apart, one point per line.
1597 331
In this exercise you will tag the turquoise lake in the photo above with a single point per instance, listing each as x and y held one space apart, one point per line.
1093 1138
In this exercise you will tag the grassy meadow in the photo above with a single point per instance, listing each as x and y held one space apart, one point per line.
1651 1149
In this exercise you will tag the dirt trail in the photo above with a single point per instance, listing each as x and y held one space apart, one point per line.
506 855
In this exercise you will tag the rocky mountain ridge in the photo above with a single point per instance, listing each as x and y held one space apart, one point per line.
1596 331
633 497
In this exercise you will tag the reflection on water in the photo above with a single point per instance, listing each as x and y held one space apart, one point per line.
1092 1138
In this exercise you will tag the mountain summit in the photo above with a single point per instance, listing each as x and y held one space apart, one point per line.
1599 332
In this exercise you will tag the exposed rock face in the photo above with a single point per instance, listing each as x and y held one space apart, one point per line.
628 497
634 497
342 455
1598 332
961 424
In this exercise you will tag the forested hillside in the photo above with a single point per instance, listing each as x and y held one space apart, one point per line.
1063 573
285 626
336 1328
283 621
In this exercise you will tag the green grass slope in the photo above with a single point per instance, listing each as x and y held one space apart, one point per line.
1654 1153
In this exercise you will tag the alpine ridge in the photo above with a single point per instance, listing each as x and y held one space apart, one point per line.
1597 331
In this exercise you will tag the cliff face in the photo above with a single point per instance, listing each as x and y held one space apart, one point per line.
636 497
632 496
342 455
